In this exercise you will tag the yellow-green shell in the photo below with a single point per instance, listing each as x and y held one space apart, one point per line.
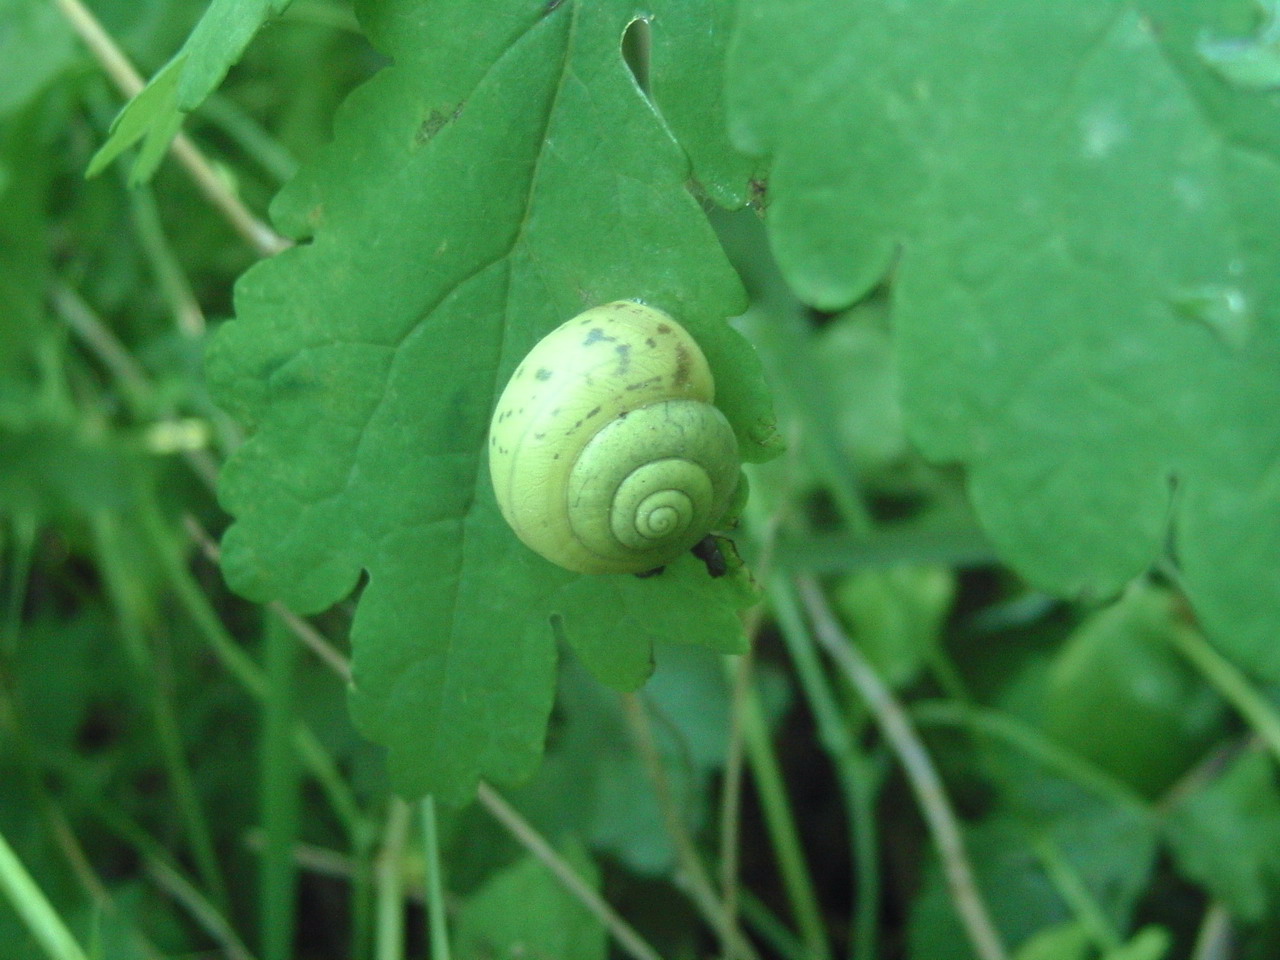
606 452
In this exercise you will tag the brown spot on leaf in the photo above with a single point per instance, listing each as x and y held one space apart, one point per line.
436 121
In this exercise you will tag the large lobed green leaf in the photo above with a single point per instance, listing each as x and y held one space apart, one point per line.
505 174
1076 213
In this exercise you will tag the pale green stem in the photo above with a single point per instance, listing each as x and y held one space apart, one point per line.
174 285
780 822
697 880
34 908
242 667
1071 887
389 936
1234 686
214 187
852 767
438 930
921 774
1030 741
198 906
141 659
628 939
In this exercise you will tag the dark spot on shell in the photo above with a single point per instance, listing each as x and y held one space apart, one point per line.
538 436
555 411
543 374
591 414
682 366
520 370
650 342
596 335
641 384
555 456
663 328
624 357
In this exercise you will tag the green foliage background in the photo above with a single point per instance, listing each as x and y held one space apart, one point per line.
1004 280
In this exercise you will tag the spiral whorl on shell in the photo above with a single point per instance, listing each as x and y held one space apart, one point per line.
606 453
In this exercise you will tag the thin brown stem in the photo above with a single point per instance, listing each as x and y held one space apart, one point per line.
317 642
127 79
529 838
927 786
732 941
731 789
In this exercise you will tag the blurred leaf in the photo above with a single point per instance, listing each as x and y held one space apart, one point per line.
35 46
1111 849
595 785
26 349
525 913
1149 943
1067 941
855 354
895 615
1226 835
155 115
1251 63
59 472
1119 694
367 373
1075 217
1070 941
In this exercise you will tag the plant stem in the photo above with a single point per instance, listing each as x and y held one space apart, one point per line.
529 838
771 929
279 799
438 929
853 769
174 285
1214 941
1234 686
924 779
1026 738
22 546
129 620
780 822
321 646
389 939
197 905
127 79
740 672
241 666
699 888
1076 894
30 903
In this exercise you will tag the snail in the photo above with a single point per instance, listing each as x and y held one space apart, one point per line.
605 450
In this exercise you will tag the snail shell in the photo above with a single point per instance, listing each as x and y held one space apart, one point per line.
606 453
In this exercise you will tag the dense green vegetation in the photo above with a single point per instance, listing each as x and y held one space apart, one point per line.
991 295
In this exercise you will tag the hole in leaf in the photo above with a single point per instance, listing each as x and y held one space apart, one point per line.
637 44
